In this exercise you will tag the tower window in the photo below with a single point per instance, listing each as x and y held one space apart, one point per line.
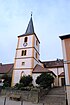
23 63
23 53
25 39
36 55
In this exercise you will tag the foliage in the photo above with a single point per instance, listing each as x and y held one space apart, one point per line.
6 84
26 80
45 80
25 83
18 86
7 80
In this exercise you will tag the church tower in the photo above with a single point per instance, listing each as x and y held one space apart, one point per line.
27 53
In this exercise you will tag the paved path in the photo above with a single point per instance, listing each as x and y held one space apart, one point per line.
8 102
12 102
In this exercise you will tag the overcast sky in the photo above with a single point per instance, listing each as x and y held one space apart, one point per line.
51 19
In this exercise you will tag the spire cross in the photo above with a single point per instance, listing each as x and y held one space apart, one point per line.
31 13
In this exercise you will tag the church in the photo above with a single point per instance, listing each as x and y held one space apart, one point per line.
27 59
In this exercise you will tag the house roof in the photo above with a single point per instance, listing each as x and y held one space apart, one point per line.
5 68
40 69
53 64
65 36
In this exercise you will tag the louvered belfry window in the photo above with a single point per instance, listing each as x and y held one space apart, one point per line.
23 52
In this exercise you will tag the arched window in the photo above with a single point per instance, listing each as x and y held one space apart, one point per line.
25 39
22 74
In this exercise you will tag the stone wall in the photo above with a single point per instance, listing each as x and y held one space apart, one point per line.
55 96
30 96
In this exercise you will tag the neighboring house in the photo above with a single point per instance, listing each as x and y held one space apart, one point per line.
6 69
65 40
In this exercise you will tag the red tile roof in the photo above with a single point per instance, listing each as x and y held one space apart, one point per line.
5 68
53 64
40 69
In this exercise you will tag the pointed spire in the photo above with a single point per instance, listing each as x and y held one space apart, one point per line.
31 13
30 27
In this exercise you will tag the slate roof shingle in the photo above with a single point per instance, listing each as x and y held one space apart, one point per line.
30 27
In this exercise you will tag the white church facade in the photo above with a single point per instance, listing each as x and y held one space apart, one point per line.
27 59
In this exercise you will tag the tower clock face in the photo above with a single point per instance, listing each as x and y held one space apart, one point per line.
25 44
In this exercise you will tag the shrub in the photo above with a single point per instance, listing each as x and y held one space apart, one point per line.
45 80
6 84
7 80
26 80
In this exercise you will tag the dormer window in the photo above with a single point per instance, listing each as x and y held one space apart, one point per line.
25 39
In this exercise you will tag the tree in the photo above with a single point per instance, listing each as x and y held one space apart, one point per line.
45 80
7 80
26 80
